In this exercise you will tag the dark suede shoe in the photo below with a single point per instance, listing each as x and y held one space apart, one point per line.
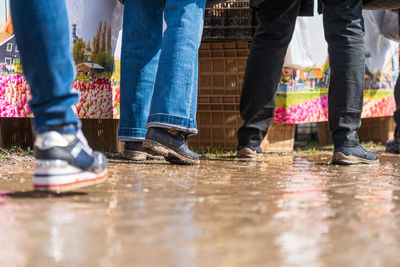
170 144
353 155
393 146
133 151
249 152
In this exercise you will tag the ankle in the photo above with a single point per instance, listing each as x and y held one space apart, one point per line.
133 145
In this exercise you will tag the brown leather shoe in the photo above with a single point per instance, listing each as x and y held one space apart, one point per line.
247 153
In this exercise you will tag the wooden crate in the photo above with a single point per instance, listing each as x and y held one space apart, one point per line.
378 130
280 138
324 135
218 130
221 68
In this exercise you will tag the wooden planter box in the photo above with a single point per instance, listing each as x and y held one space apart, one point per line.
16 132
378 130
102 134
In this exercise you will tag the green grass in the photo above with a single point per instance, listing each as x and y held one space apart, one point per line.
314 147
8 153
213 153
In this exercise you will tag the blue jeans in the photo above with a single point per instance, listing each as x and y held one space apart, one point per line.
42 32
159 71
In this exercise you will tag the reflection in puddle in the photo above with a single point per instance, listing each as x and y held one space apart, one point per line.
284 210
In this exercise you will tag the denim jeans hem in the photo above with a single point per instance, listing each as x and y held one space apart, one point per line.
130 139
64 129
173 122
188 130
131 134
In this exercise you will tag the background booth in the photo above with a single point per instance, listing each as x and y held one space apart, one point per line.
302 93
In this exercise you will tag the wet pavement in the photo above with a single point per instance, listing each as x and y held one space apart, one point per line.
281 210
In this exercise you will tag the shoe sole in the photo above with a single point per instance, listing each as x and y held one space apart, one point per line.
156 149
140 156
64 179
341 159
134 155
246 156
247 153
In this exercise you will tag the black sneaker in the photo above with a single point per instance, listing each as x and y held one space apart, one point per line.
170 144
353 155
393 146
249 152
66 162
133 151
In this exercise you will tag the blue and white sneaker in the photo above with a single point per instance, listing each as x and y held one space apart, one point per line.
66 162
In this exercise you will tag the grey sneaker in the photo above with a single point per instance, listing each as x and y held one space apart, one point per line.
353 155
66 162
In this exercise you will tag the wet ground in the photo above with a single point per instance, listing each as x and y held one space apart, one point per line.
281 210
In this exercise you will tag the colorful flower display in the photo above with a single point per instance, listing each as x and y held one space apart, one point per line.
308 111
97 100
101 100
377 103
14 96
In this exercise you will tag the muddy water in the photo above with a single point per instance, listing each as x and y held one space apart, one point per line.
290 210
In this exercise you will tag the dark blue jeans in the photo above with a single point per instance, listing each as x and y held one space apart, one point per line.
344 32
159 71
42 32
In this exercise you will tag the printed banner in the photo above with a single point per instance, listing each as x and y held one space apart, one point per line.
303 94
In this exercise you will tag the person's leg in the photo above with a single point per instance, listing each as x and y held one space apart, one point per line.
276 22
173 106
393 146
397 112
141 47
344 32
63 159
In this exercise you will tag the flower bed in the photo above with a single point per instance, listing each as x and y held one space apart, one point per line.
293 108
14 96
96 101
101 101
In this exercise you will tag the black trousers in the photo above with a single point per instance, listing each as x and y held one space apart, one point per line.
397 112
344 32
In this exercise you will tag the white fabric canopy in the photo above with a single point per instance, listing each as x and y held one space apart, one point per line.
309 48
